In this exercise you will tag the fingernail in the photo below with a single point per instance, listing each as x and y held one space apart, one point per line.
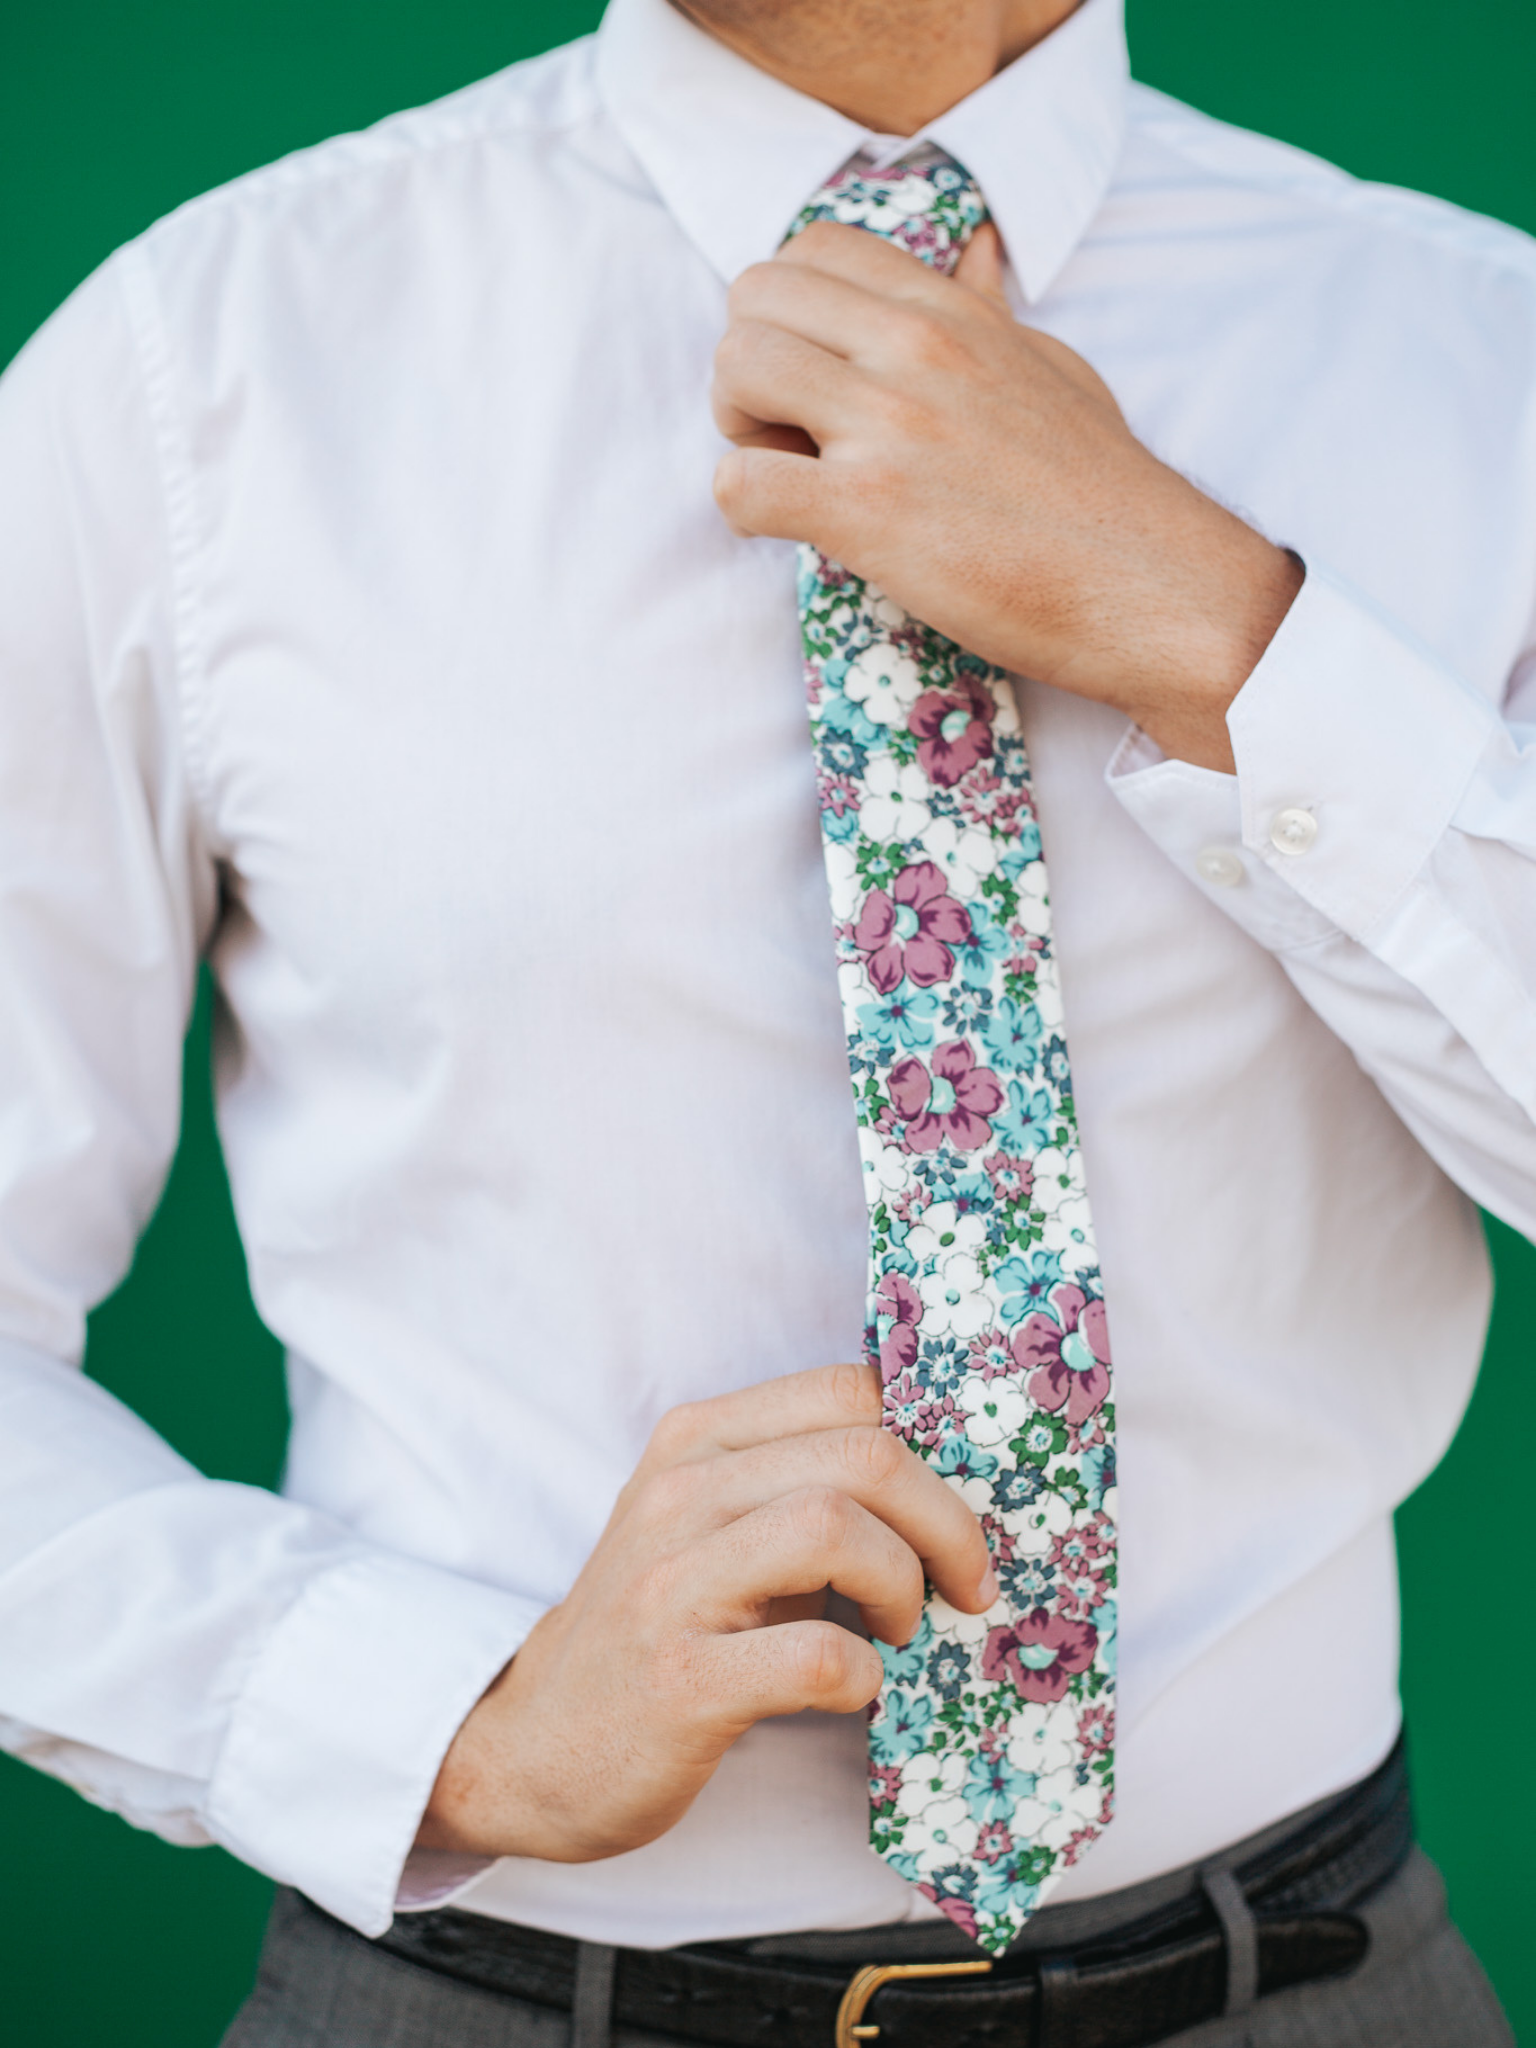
987 1591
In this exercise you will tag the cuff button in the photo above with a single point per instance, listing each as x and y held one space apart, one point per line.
1292 830
1220 865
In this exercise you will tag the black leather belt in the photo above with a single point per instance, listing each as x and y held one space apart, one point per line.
1137 1983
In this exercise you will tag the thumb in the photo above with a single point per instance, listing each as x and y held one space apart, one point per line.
981 265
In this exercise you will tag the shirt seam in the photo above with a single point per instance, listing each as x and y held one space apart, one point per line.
178 490
393 139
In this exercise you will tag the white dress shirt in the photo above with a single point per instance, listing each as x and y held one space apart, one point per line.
367 626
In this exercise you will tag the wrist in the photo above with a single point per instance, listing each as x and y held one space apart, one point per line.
1230 619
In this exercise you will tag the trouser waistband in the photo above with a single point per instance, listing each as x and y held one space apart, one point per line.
1126 1969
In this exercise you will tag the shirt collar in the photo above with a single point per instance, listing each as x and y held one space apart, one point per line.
735 153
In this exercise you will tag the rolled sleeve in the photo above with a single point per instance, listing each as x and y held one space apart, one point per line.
336 1739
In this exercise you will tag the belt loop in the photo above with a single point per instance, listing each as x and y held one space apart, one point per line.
592 1999
1058 2004
1230 1905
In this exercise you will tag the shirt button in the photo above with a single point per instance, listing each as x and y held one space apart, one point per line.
1219 864
1293 830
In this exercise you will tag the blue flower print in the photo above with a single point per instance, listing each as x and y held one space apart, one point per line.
841 714
937 1171
1025 1282
948 1669
988 944
905 1666
993 1788
1024 850
959 1459
1028 1582
1025 1123
954 1881
965 1007
942 1364
904 1018
841 829
1054 1060
1012 1037
902 1728
843 755
1014 1491
1004 1899
1106 1619
973 1194
1098 1472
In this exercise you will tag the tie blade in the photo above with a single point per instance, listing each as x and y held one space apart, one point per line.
990 1744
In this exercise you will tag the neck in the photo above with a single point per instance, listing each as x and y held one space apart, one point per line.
890 65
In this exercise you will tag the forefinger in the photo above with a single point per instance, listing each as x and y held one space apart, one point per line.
827 1397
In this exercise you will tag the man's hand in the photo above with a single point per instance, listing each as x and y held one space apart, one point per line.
699 1613
982 475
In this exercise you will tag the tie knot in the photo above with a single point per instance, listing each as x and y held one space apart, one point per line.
924 201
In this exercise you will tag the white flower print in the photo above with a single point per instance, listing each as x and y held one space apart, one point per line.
995 1410
894 806
885 682
943 1229
964 853
955 1299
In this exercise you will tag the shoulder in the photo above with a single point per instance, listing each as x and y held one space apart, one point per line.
1214 161
390 184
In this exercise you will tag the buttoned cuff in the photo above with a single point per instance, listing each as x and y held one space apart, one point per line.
1354 746
336 1740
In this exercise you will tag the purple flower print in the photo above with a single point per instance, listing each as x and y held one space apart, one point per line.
992 1355
1039 1653
955 1908
1096 1729
884 1784
898 1307
952 1101
993 1842
910 931
913 1412
985 799
953 730
904 1397
1013 1180
1066 1354
838 794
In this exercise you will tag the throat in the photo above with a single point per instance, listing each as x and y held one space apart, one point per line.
890 65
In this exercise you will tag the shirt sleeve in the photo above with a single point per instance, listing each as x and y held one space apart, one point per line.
1379 837
210 1660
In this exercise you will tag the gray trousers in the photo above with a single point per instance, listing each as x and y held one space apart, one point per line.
322 1987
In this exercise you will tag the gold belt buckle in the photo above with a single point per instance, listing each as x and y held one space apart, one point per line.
865 1983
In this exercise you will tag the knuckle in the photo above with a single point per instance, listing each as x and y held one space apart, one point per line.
823 1516
676 1432
678 1676
749 285
655 1586
732 351
898 413
874 1456
851 1391
821 1655
666 1494
874 494
930 341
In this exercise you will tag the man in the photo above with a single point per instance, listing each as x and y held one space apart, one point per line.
372 628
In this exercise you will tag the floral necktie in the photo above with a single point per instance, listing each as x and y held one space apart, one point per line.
991 1742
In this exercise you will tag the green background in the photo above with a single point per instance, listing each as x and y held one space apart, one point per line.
111 112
